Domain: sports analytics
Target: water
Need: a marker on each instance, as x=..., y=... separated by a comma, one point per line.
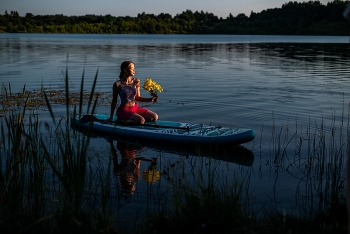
x=271, y=84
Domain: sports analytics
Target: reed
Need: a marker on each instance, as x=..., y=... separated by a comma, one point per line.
x=200, y=204
x=43, y=172
x=316, y=152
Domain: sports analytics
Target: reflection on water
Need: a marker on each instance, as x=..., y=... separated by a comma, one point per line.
x=127, y=167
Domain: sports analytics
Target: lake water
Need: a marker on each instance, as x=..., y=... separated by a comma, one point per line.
x=283, y=87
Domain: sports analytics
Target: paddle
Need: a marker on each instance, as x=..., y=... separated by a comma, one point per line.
x=92, y=118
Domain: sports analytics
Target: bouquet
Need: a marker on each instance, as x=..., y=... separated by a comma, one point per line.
x=151, y=175
x=152, y=87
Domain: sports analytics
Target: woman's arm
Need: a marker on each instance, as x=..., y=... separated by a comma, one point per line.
x=114, y=99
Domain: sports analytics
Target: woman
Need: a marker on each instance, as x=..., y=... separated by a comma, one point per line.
x=128, y=89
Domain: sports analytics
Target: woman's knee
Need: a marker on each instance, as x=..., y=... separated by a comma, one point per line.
x=137, y=119
x=155, y=117
x=151, y=116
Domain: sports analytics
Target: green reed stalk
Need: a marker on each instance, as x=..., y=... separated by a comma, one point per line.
x=22, y=169
x=201, y=203
x=318, y=155
x=43, y=176
x=73, y=152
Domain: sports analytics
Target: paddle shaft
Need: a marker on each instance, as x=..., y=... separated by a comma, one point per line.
x=91, y=118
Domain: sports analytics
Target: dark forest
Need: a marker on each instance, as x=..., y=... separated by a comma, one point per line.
x=292, y=18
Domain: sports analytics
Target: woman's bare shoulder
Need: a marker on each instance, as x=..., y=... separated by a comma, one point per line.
x=117, y=83
x=136, y=80
x=116, y=86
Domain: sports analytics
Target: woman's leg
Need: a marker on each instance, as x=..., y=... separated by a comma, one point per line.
x=143, y=115
x=137, y=118
x=150, y=116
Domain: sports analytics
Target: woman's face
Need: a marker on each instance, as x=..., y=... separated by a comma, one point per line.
x=130, y=70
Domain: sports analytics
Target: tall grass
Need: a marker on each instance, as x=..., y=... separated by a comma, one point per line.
x=313, y=155
x=44, y=173
x=205, y=203
x=316, y=155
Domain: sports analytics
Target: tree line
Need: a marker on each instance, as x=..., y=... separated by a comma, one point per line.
x=293, y=18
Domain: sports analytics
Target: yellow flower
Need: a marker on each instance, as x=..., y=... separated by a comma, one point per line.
x=151, y=176
x=159, y=88
x=152, y=87
x=147, y=84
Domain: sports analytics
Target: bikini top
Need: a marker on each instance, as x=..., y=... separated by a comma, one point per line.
x=127, y=92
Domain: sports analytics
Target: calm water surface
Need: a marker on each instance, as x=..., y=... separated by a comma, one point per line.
x=273, y=84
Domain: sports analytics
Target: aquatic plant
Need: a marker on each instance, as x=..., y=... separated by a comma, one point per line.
x=315, y=152
x=43, y=172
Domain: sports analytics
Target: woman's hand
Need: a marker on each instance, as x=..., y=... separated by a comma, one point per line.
x=154, y=99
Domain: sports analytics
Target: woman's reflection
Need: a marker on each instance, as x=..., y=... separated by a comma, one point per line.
x=128, y=170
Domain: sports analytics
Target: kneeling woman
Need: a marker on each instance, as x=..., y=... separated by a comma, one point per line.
x=128, y=89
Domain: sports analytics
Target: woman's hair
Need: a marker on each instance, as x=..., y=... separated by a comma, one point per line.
x=124, y=65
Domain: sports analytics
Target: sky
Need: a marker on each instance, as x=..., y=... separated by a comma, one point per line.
x=220, y=8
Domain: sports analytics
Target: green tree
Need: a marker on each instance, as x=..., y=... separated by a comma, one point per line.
x=29, y=15
x=21, y=28
x=9, y=27
x=29, y=27
x=45, y=28
x=301, y=18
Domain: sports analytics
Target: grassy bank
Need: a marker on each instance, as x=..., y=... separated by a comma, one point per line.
x=48, y=184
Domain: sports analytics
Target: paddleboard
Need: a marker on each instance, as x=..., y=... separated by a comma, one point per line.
x=165, y=131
